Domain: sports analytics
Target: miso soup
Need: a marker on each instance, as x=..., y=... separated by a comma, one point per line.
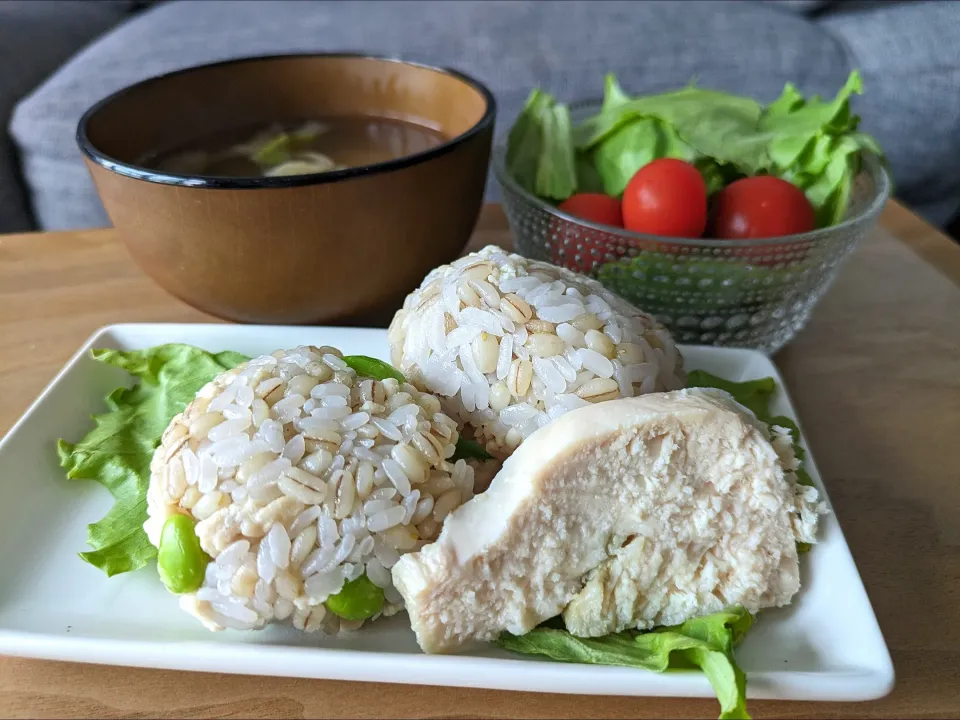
x=298, y=149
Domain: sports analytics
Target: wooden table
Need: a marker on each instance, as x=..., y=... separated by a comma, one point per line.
x=875, y=376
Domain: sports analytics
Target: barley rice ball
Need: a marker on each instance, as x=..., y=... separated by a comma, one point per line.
x=303, y=477
x=510, y=344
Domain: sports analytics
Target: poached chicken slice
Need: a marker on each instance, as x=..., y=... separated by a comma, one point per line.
x=630, y=513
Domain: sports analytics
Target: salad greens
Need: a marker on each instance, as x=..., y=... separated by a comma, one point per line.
x=629, y=147
x=705, y=642
x=117, y=452
x=812, y=143
x=816, y=146
x=540, y=148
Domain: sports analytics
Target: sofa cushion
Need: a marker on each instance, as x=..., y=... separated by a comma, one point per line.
x=743, y=47
x=36, y=37
x=803, y=6
x=909, y=56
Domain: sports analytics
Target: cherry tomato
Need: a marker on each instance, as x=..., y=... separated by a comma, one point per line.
x=578, y=248
x=666, y=197
x=594, y=207
x=760, y=207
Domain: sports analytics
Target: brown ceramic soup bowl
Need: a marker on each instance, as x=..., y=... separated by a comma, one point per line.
x=339, y=246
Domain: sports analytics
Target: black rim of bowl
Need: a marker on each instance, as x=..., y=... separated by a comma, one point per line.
x=233, y=183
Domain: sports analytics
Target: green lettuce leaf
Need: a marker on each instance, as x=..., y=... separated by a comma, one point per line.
x=791, y=116
x=718, y=125
x=588, y=179
x=706, y=643
x=117, y=452
x=754, y=395
x=829, y=191
x=629, y=133
x=816, y=146
x=790, y=99
x=715, y=174
x=613, y=95
x=540, y=154
x=634, y=145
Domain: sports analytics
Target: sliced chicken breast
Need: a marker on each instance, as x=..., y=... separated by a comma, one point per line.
x=627, y=514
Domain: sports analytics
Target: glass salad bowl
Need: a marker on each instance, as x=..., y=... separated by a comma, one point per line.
x=734, y=293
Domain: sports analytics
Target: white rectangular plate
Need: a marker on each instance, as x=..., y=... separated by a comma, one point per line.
x=825, y=646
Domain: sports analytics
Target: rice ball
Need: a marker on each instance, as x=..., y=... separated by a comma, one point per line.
x=510, y=344
x=302, y=477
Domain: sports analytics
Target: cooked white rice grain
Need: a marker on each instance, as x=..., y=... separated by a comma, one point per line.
x=510, y=344
x=302, y=476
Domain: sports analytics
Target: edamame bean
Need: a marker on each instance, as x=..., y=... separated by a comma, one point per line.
x=180, y=560
x=367, y=366
x=470, y=450
x=357, y=600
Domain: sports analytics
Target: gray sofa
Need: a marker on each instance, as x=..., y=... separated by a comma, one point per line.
x=908, y=54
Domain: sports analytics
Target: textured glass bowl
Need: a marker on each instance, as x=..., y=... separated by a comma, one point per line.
x=752, y=294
